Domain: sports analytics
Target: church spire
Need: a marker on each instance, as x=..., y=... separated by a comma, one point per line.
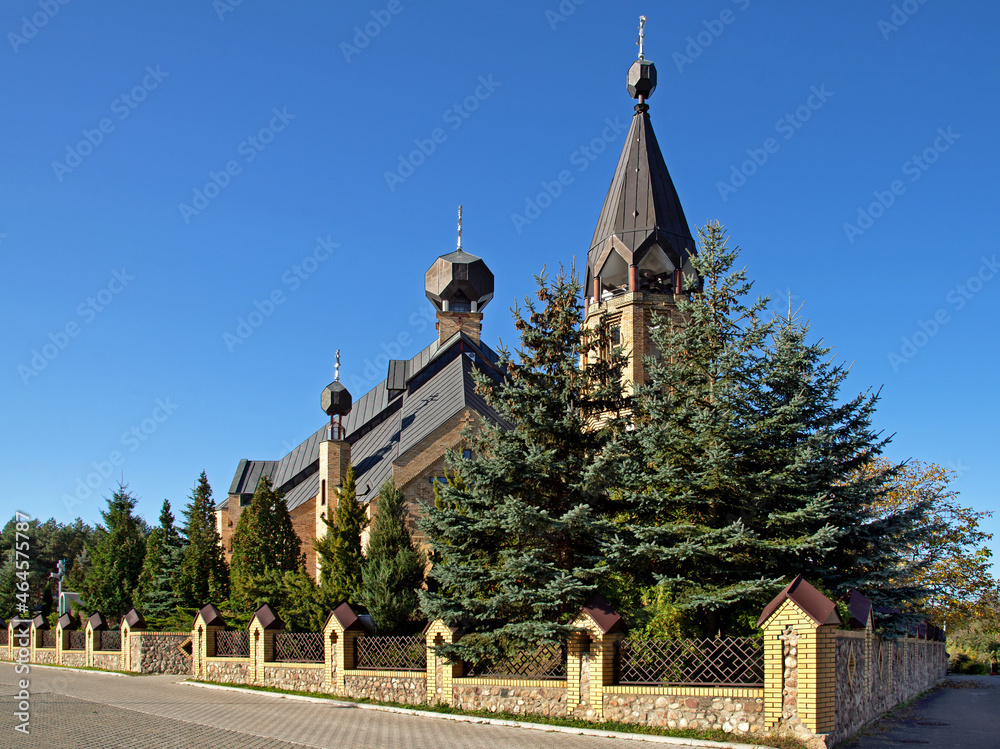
x=642, y=241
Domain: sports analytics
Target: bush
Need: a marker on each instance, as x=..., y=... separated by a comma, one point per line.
x=965, y=664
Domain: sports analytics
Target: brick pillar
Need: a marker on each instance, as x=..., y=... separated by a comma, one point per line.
x=334, y=459
x=599, y=629
x=264, y=624
x=206, y=624
x=441, y=672
x=342, y=628
x=800, y=659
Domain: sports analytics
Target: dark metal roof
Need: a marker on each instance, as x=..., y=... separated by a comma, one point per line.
x=860, y=607
x=383, y=426
x=603, y=615
x=68, y=622
x=641, y=208
x=39, y=622
x=268, y=617
x=135, y=620
x=97, y=622
x=211, y=616
x=346, y=617
x=816, y=606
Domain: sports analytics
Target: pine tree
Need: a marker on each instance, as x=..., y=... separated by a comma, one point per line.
x=155, y=592
x=685, y=524
x=116, y=559
x=203, y=575
x=264, y=540
x=339, y=550
x=393, y=567
x=518, y=543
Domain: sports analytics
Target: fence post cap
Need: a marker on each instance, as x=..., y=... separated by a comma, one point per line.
x=602, y=615
x=97, y=622
x=134, y=620
x=807, y=599
x=209, y=616
x=39, y=622
x=267, y=618
x=67, y=622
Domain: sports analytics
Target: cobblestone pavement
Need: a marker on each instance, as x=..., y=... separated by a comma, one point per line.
x=91, y=710
x=963, y=713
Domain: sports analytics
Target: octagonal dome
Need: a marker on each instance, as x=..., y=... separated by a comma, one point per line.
x=335, y=399
x=459, y=282
x=641, y=79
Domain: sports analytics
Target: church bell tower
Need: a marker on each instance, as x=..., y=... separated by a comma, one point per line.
x=639, y=258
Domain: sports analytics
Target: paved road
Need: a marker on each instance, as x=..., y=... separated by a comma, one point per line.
x=93, y=711
x=964, y=713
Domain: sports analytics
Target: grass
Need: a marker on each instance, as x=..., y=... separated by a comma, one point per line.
x=84, y=668
x=779, y=742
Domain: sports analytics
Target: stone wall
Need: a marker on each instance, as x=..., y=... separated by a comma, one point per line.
x=158, y=652
x=387, y=686
x=232, y=670
x=875, y=675
x=742, y=714
x=508, y=695
x=110, y=660
x=300, y=678
x=74, y=658
x=45, y=656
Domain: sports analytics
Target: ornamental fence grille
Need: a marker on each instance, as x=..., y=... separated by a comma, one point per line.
x=111, y=639
x=232, y=644
x=729, y=661
x=3, y=637
x=547, y=661
x=77, y=641
x=396, y=653
x=48, y=638
x=299, y=647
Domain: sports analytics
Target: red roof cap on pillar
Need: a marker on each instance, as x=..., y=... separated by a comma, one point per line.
x=813, y=604
x=211, y=616
x=97, y=622
x=346, y=617
x=605, y=617
x=268, y=617
x=134, y=620
x=860, y=607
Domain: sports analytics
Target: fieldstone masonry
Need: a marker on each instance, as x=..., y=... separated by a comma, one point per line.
x=823, y=681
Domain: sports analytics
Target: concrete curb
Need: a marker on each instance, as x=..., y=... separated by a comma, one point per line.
x=77, y=670
x=676, y=741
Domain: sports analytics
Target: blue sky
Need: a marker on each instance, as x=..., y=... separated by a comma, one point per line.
x=202, y=201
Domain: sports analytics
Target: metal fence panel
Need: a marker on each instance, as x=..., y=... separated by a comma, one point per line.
x=77, y=641
x=111, y=639
x=395, y=653
x=299, y=647
x=547, y=661
x=232, y=644
x=730, y=661
x=48, y=638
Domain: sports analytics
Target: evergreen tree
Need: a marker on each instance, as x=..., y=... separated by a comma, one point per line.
x=393, y=567
x=339, y=550
x=264, y=540
x=162, y=564
x=116, y=559
x=518, y=542
x=203, y=575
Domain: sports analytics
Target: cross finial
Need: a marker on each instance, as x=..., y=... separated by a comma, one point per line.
x=460, y=227
x=336, y=368
x=642, y=35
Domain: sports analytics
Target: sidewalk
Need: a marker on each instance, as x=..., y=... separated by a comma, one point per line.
x=90, y=709
x=964, y=713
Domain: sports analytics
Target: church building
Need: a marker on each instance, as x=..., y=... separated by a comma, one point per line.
x=638, y=262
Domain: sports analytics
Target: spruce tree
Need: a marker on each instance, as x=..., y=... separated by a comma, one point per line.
x=339, y=550
x=264, y=540
x=203, y=575
x=116, y=559
x=164, y=550
x=686, y=497
x=517, y=541
x=393, y=567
